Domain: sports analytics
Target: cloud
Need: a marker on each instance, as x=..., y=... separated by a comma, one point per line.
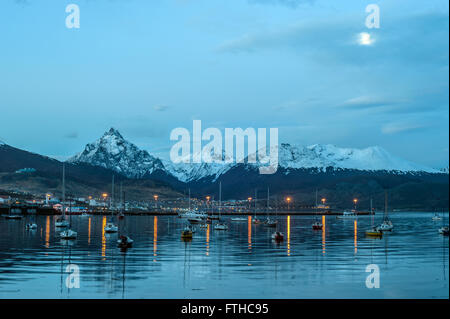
x=410, y=40
x=287, y=3
x=71, y=135
x=394, y=128
x=160, y=108
x=367, y=102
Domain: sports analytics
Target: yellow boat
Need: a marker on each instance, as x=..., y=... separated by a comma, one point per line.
x=186, y=234
x=374, y=233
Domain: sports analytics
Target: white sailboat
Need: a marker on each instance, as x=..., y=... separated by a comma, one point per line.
x=220, y=225
x=61, y=221
x=255, y=219
x=67, y=234
x=277, y=236
x=386, y=225
x=111, y=227
x=269, y=222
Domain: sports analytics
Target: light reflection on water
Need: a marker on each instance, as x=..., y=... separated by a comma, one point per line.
x=239, y=263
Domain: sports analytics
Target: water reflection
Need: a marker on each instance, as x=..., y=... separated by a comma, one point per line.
x=103, y=238
x=219, y=265
x=288, y=232
x=323, y=234
x=155, y=237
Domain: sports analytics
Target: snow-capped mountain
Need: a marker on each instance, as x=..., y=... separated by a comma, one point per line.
x=304, y=157
x=188, y=172
x=320, y=156
x=445, y=170
x=112, y=151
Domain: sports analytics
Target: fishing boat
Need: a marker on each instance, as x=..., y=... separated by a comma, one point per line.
x=347, y=215
x=124, y=242
x=30, y=226
x=374, y=232
x=436, y=217
x=277, y=236
x=111, y=228
x=220, y=225
x=186, y=233
x=443, y=230
x=386, y=225
x=195, y=220
x=68, y=234
x=317, y=225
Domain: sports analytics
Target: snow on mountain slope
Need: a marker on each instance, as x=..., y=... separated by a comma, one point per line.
x=188, y=172
x=2, y=143
x=112, y=151
x=322, y=156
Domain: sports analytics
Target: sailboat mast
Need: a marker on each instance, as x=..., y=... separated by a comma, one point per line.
x=63, y=189
x=256, y=198
x=267, y=201
x=189, y=199
x=316, y=197
x=220, y=197
x=112, y=195
x=385, y=204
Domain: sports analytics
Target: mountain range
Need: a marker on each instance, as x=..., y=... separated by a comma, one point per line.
x=339, y=173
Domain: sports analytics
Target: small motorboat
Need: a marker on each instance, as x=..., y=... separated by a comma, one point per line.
x=13, y=217
x=205, y=225
x=195, y=220
x=30, y=226
x=385, y=226
x=124, y=242
x=212, y=217
x=220, y=226
x=443, y=230
x=277, y=236
x=436, y=217
x=238, y=219
x=84, y=214
x=61, y=222
x=186, y=233
x=347, y=215
x=270, y=223
x=374, y=232
x=317, y=226
x=256, y=221
x=111, y=228
x=68, y=234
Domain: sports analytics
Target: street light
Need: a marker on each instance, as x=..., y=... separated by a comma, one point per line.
x=355, y=201
x=323, y=201
x=105, y=196
x=288, y=199
x=156, y=200
x=249, y=202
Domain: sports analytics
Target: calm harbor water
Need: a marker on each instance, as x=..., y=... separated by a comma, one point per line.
x=239, y=263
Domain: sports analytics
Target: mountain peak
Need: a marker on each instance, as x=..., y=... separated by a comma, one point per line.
x=113, y=132
x=112, y=151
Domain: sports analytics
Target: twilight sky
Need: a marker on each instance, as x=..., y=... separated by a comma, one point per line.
x=146, y=67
